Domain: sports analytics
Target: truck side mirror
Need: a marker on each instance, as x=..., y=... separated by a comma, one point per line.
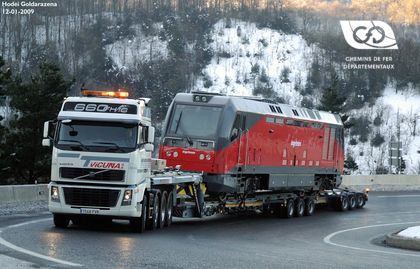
x=46, y=129
x=46, y=141
x=151, y=134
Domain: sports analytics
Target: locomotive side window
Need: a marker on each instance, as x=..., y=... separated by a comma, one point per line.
x=235, y=129
x=238, y=126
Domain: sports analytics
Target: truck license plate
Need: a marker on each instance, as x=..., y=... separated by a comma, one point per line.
x=90, y=211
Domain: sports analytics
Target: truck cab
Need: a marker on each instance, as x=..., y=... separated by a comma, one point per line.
x=101, y=156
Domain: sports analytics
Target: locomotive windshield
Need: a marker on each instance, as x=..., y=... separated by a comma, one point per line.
x=195, y=121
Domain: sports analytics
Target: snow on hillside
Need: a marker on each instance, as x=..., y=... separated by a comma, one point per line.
x=403, y=105
x=126, y=53
x=241, y=46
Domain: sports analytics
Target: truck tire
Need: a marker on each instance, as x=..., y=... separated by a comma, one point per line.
x=169, y=208
x=154, y=207
x=309, y=207
x=139, y=224
x=61, y=221
x=162, y=209
x=352, y=202
x=343, y=203
x=360, y=201
x=299, y=207
x=290, y=208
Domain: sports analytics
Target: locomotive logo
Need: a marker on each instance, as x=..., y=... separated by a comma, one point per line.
x=296, y=143
x=369, y=35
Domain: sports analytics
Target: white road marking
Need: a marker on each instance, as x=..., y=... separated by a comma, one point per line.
x=28, y=252
x=398, y=196
x=327, y=239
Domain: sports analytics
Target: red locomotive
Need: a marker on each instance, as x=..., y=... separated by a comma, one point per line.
x=244, y=145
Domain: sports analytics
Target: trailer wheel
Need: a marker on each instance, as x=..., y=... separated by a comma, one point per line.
x=61, y=221
x=154, y=206
x=309, y=207
x=169, y=207
x=343, y=203
x=290, y=208
x=299, y=207
x=163, y=210
x=139, y=224
x=360, y=201
x=352, y=202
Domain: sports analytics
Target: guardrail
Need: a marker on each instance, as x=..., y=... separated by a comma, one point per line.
x=39, y=192
x=383, y=182
x=23, y=193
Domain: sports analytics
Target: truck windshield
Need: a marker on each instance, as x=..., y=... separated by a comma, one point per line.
x=97, y=136
x=194, y=121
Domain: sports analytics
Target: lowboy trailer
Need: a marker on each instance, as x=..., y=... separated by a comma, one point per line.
x=102, y=165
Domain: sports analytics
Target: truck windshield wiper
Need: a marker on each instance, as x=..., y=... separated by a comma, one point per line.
x=75, y=141
x=112, y=144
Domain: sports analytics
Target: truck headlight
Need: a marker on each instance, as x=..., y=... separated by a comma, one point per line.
x=128, y=194
x=55, y=194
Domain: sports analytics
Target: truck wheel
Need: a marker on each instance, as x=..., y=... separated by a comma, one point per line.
x=309, y=207
x=61, y=221
x=139, y=224
x=162, y=210
x=360, y=201
x=154, y=206
x=169, y=207
x=290, y=208
x=343, y=203
x=299, y=207
x=352, y=202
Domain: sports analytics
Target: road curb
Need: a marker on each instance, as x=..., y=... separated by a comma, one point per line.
x=395, y=240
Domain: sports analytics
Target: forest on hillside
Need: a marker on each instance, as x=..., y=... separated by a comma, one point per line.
x=157, y=48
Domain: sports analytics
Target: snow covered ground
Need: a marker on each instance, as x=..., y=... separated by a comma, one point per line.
x=411, y=232
x=392, y=106
x=126, y=53
x=241, y=46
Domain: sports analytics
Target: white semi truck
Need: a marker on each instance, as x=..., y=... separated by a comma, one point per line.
x=102, y=163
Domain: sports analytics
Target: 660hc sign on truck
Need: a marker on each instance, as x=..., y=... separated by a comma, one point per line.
x=102, y=165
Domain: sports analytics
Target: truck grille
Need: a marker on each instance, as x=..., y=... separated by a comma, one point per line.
x=91, y=197
x=89, y=174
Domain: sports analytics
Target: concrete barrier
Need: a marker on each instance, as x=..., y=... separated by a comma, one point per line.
x=382, y=182
x=23, y=193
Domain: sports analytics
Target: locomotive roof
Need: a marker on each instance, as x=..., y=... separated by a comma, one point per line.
x=265, y=107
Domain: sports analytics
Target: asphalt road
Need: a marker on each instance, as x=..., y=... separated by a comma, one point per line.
x=328, y=239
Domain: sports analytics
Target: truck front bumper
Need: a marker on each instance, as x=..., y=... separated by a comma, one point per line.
x=77, y=207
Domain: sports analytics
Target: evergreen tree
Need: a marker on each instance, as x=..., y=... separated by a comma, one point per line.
x=331, y=99
x=33, y=103
x=350, y=164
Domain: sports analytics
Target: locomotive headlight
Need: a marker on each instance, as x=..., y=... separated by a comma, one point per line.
x=208, y=157
x=197, y=98
x=55, y=194
x=201, y=157
x=175, y=154
x=128, y=194
x=168, y=154
x=204, y=99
